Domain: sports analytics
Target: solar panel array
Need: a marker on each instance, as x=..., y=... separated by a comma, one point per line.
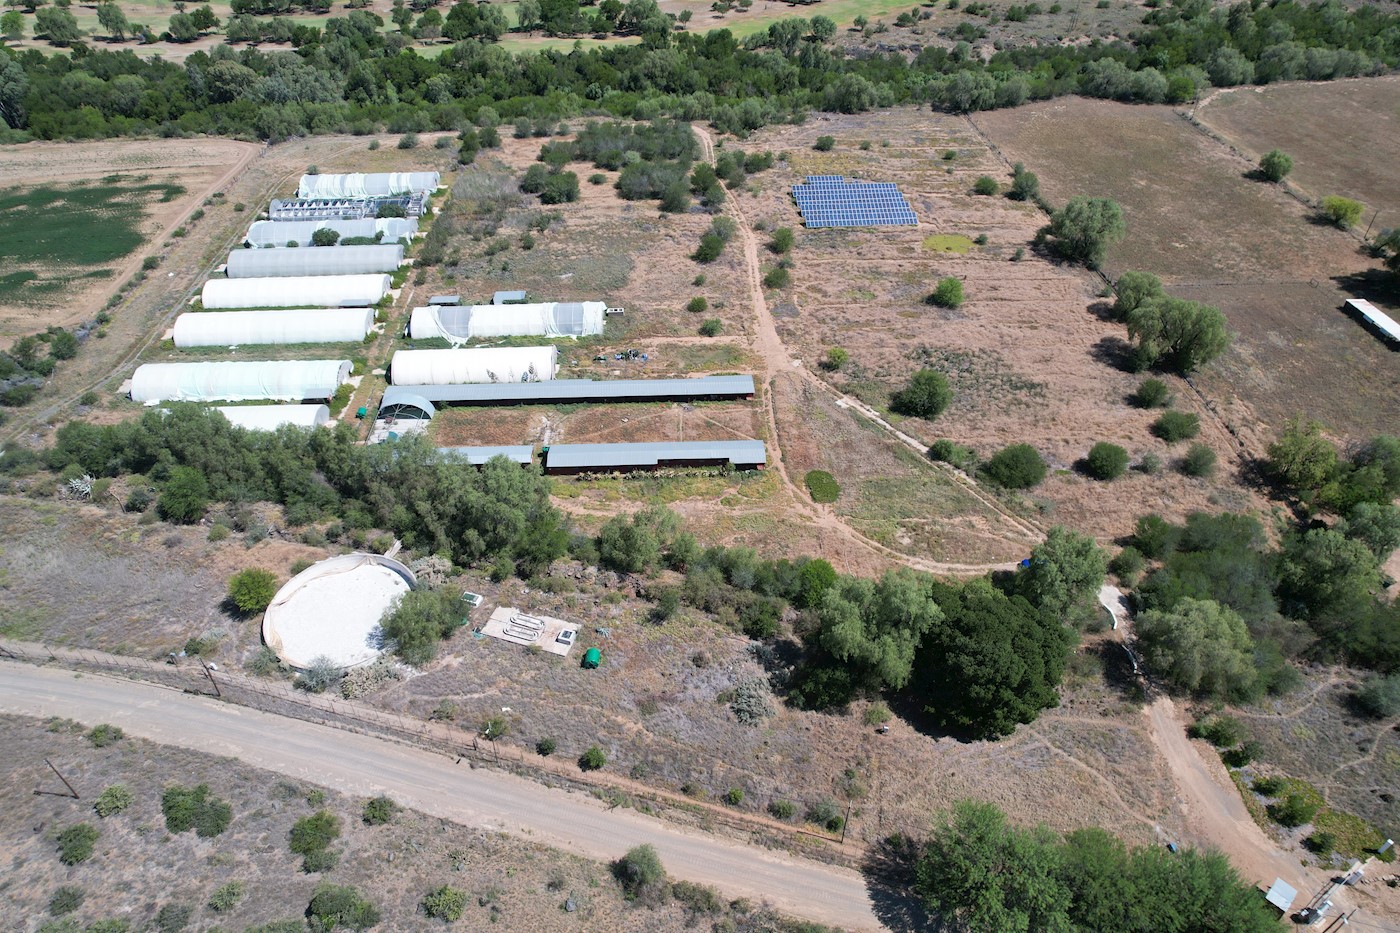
x=832, y=201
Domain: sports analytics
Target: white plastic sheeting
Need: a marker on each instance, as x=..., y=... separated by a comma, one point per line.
x=324, y=260
x=313, y=291
x=377, y=184
x=279, y=233
x=552, y=319
x=332, y=609
x=494, y=364
x=283, y=380
x=272, y=417
x=246, y=328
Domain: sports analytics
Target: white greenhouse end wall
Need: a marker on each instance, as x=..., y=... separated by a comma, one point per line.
x=494, y=364
x=250, y=328
x=317, y=291
x=551, y=319
x=272, y=417
x=282, y=380
x=377, y=184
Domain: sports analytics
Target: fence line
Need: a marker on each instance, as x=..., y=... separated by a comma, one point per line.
x=282, y=699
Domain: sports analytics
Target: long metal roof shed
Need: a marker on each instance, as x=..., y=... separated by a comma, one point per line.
x=1376, y=318
x=523, y=454
x=583, y=458
x=570, y=391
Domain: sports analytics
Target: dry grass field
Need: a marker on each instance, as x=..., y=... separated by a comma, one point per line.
x=1213, y=234
x=138, y=867
x=1336, y=131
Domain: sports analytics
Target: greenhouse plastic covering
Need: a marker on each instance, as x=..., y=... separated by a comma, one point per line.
x=494, y=364
x=313, y=291
x=367, y=186
x=323, y=260
x=459, y=324
x=222, y=381
x=272, y=417
x=265, y=233
x=243, y=328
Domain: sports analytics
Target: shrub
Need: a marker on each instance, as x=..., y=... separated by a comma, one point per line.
x=1018, y=466
x=1275, y=165
x=1173, y=426
x=322, y=860
x=1241, y=756
x=322, y=675
x=226, y=897
x=827, y=814
x=173, y=918
x=341, y=905
x=639, y=871
x=149, y=263
x=593, y=759
x=113, y=800
x=835, y=358
x=876, y=714
x=750, y=704
x=711, y=245
x=697, y=305
x=378, y=811
x=104, y=734
x=252, y=590
x=1268, y=786
x=1380, y=696
x=75, y=844
x=1293, y=810
x=782, y=241
x=315, y=832
x=184, y=497
x=1127, y=564
x=948, y=294
x=445, y=903
x=1321, y=842
x=777, y=277
x=825, y=143
x=1199, y=461
x=711, y=327
x=782, y=809
x=408, y=141
x=926, y=396
x=986, y=185
x=734, y=796
x=193, y=808
x=945, y=451
x=1342, y=212
x=822, y=486
x=697, y=898
x=1220, y=731
x=545, y=747
x=66, y=900
x=1106, y=461
x=1153, y=393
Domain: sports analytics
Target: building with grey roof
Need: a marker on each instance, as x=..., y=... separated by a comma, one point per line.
x=607, y=458
x=422, y=401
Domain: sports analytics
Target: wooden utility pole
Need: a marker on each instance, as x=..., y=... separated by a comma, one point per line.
x=210, y=674
x=71, y=792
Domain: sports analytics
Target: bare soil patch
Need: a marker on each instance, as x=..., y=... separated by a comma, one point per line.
x=1215, y=235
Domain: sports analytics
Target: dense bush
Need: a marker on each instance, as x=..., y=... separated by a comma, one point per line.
x=105, y=734
x=639, y=872
x=113, y=800
x=1379, y=697
x=1275, y=165
x=445, y=903
x=194, y=808
x=378, y=811
x=226, y=897
x=986, y=185
x=1084, y=229
x=420, y=619
x=1292, y=810
x=335, y=906
x=948, y=293
x=252, y=590
x=65, y=900
x=1106, y=461
x=314, y=833
x=822, y=486
x=926, y=396
x=75, y=844
x=593, y=759
x=1018, y=466
x=825, y=143
x=1342, y=212
x=1173, y=426
x=1199, y=461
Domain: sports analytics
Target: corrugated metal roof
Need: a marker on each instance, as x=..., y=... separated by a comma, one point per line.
x=578, y=390
x=501, y=298
x=1281, y=894
x=585, y=456
x=1376, y=317
x=523, y=454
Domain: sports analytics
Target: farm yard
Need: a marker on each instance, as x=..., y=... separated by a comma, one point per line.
x=1213, y=234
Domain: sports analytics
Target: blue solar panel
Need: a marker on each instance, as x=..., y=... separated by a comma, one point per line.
x=832, y=201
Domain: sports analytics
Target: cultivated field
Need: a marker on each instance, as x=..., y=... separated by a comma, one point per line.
x=1213, y=234
x=138, y=868
x=1334, y=130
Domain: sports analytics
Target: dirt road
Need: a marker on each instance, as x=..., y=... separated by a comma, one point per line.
x=1215, y=815
x=366, y=766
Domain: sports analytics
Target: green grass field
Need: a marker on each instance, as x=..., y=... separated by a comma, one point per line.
x=51, y=236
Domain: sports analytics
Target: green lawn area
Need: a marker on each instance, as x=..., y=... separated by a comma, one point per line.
x=948, y=243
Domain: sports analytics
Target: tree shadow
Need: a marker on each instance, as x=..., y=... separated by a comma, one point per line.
x=1115, y=352
x=889, y=880
x=1118, y=671
x=917, y=716
x=1380, y=285
x=1103, y=310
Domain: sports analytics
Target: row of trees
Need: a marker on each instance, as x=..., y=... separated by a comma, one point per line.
x=774, y=75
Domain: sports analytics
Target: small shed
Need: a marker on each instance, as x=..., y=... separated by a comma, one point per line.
x=508, y=298
x=591, y=659
x=444, y=301
x=1281, y=894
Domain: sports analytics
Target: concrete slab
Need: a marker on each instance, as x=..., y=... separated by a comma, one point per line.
x=520, y=628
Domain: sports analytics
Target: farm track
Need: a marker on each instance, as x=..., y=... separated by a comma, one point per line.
x=778, y=363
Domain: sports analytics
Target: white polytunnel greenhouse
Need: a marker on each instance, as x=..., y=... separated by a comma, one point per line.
x=493, y=364
x=272, y=417
x=247, y=328
x=312, y=291
x=459, y=324
x=222, y=381
x=324, y=260
x=265, y=233
x=378, y=184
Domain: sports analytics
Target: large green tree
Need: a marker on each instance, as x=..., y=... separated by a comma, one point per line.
x=926, y=396
x=1178, y=334
x=1201, y=647
x=1302, y=459
x=419, y=619
x=1321, y=569
x=1084, y=229
x=873, y=628
x=56, y=25
x=993, y=663
x=1065, y=573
